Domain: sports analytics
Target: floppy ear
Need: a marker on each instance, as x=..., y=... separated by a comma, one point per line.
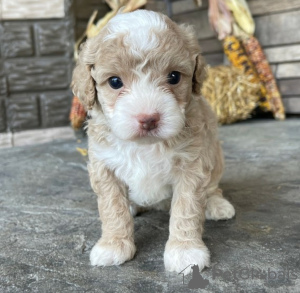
x=191, y=42
x=199, y=74
x=83, y=85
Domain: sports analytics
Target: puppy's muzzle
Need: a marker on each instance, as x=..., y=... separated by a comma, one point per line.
x=148, y=122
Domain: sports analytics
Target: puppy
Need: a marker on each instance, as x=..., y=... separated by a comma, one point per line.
x=152, y=137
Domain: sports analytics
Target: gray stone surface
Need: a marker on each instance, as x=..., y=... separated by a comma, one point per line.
x=3, y=86
x=49, y=221
x=31, y=9
x=55, y=108
x=214, y=59
x=292, y=104
x=278, y=28
x=2, y=115
x=199, y=19
x=85, y=8
x=289, y=86
x=55, y=38
x=38, y=74
x=211, y=46
x=22, y=112
x=17, y=40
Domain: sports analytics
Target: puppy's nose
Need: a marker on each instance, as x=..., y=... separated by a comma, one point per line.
x=148, y=122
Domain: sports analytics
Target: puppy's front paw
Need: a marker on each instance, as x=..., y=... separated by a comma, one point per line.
x=178, y=256
x=219, y=208
x=112, y=253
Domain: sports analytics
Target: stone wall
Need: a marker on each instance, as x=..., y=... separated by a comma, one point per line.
x=36, y=60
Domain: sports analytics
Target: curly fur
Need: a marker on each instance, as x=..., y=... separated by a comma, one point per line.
x=180, y=160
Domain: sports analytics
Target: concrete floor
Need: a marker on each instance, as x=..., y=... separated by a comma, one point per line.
x=49, y=221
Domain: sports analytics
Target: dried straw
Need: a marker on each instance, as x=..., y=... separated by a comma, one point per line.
x=230, y=93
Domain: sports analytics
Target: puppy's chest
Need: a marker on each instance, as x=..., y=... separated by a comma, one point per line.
x=147, y=170
x=134, y=165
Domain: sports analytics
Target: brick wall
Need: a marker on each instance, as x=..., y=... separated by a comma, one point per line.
x=36, y=60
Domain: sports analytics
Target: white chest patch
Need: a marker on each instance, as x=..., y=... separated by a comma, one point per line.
x=146, y=169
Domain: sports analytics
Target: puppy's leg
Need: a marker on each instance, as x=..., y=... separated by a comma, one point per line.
x=217, y=207
x=185, y=245
x=116, y=244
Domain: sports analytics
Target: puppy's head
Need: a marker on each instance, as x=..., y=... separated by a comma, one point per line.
x=141, y=72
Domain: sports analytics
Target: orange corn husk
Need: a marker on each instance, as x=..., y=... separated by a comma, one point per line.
x=77, y=114
x=236, y=54
x=258, y=58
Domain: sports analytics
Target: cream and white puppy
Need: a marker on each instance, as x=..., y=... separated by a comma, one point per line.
x=152, y=137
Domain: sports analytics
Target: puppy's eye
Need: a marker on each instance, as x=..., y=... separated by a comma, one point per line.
x=115, y=82
x=174, y=77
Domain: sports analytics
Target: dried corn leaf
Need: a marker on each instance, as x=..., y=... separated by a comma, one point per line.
x=220, y=18
x=242, y=15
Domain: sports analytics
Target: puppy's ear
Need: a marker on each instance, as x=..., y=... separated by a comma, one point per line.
x=83, y=85
x=199, y=74
x=191, y=42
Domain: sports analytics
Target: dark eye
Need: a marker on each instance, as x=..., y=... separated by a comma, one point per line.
x=115, y=82
x=174, y=77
